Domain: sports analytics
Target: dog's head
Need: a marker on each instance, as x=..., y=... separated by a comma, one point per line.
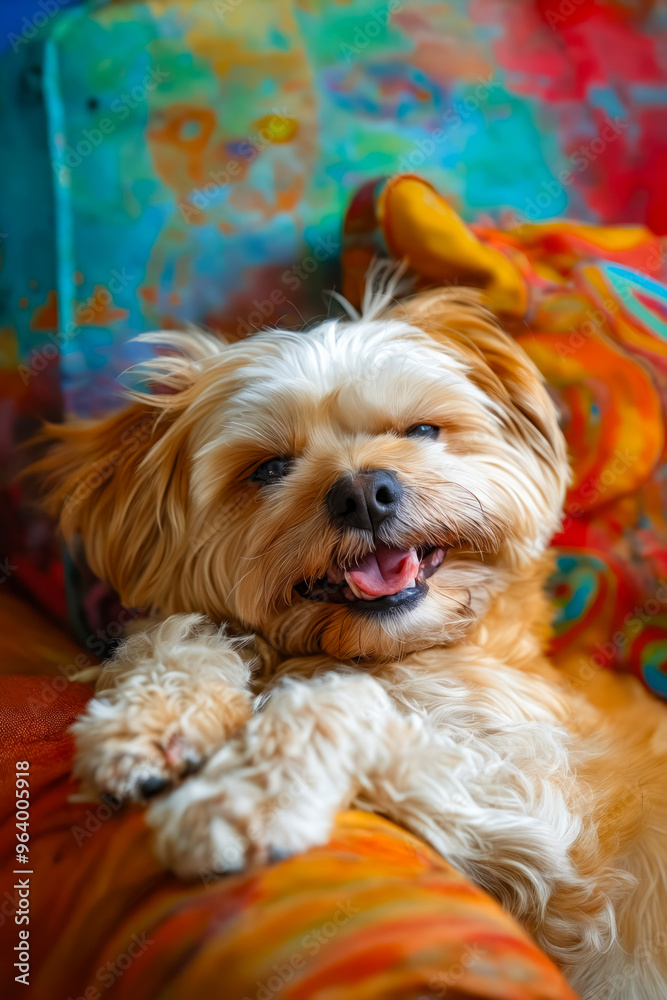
x=361, y=489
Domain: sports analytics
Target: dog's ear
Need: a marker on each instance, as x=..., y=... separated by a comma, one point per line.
x=456, y=318
x=120, y=486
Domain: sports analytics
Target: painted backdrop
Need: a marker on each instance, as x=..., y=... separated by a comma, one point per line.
x=172, y=162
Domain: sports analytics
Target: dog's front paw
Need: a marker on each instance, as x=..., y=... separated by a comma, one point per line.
x=260, y=797
x=214, y=826
x=276, y=787
x=136, y=744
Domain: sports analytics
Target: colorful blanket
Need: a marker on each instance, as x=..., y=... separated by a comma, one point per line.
x=374, y=915
x=185, y=161
x=589, y=305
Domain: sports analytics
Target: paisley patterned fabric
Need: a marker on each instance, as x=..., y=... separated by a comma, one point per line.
x=374, y=915
x=589, y=305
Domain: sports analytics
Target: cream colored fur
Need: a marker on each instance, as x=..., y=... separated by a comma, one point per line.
x=448, y=717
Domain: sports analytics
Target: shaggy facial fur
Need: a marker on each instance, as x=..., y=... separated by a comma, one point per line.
x=171, y=504
x=373, y=501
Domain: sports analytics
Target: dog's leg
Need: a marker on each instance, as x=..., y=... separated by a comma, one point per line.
x=168, y=698
x=317, y=746
x=275, y=788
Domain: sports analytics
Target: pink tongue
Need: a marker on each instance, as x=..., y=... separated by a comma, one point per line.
x=385, y=571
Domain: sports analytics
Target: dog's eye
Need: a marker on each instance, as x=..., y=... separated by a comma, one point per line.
x=423, y=431
x=271, y=471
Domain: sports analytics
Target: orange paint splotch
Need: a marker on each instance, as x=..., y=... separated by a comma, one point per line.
x=178, y=140
x=289, y=198
x=23, y=302
x=99, y=309
x=148, y=293
x=78, y=278
x=225, y=54
x=185, y=126
x=45, y=317
x=190, y=214
x=293, y=86
x=250, y=200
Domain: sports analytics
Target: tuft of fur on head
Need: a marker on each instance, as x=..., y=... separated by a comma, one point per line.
x=163, y=499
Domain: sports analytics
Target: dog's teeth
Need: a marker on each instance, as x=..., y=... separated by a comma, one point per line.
x=358, y=593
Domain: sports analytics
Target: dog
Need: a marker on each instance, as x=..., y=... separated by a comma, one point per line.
x=343, y=534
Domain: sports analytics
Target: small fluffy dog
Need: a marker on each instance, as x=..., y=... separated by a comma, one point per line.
x=373, y=501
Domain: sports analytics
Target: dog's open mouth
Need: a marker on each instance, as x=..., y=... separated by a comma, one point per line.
x=384, y=579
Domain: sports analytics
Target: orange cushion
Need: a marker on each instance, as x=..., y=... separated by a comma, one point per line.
x=374, y=915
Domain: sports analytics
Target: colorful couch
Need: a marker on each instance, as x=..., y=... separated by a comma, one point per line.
x=374, y=915
x=219, y=197
x=192, y=160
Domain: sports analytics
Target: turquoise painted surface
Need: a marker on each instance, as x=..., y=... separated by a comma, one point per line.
x=180, y=162
x=202, y=154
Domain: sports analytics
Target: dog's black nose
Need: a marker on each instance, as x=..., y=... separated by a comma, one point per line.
x=365, y=500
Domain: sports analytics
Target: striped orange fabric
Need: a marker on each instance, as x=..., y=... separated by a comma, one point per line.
x=374, y=915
